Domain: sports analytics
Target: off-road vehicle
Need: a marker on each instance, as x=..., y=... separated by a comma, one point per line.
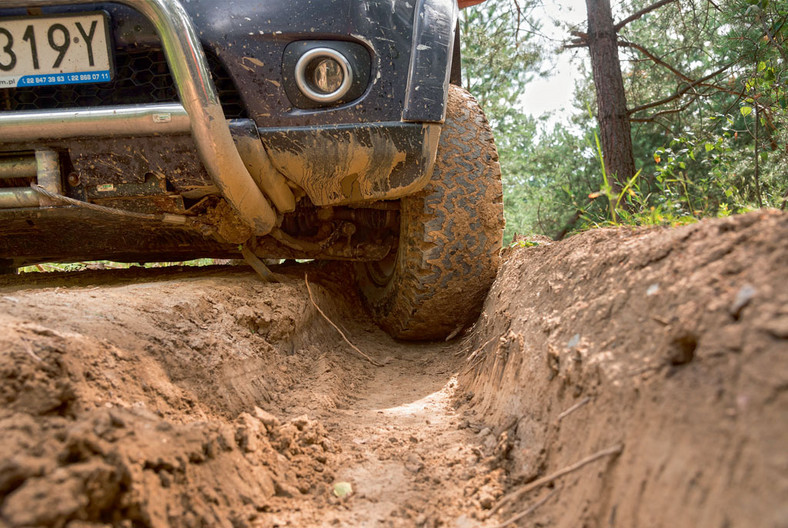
x=159, y=130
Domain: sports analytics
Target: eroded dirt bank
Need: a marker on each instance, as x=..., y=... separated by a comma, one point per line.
x=670, y=345
x=206, y=398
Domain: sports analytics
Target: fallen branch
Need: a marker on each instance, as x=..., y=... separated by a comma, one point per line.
x=517, y=494
x=569, y=225
x=454, y=333
x=527, y=512
x=258, y=265
x=573, y=408
x=354, y=347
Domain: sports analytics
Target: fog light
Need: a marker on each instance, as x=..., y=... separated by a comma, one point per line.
x=324, y=75
x=327, y=75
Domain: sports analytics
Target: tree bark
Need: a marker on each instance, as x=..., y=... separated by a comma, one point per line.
x=614, y=127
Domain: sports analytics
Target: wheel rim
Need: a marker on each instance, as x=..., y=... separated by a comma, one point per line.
x=380, y=272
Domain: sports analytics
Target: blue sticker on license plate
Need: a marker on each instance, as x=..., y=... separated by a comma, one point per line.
x=69, y=78
x=52, y=50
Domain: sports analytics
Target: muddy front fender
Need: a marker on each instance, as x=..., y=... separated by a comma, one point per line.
x=381, y=146
x=348, y=164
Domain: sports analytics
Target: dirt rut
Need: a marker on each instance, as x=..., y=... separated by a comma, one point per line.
x=620, y=378
x=205, y=397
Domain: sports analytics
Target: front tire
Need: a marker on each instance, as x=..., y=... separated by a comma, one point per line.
x=450, y=236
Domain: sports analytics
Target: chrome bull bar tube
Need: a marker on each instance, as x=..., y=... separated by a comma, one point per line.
x=208, y=125
x=43, y=165
x=144, y=120
x=19, y=166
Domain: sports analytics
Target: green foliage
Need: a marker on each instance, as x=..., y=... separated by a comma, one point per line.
x=711, y=148
x=499, y=56
x=107, y=264
x=546, y=179
x=524, y=243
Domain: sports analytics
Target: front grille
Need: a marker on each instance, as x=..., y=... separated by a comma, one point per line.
x=141, y=77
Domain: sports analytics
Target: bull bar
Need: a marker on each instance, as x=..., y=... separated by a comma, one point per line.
x=200, y=111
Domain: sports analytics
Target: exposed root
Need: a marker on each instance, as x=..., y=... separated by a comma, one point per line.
x=354, y=347
x=517, y=494
x=573, y=408
x=476, y=352
x=527, y=512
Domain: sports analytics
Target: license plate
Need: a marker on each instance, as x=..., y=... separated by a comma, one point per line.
x=63, y=49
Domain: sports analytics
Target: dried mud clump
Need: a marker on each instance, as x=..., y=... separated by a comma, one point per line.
x=130, y=466
x=124, y=421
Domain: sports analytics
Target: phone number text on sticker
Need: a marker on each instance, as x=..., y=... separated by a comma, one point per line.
x=69, y=78
x=43, y=51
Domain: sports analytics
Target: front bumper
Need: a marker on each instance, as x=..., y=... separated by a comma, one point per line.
x=352, y=164
x=197, y=93
x=377, y=158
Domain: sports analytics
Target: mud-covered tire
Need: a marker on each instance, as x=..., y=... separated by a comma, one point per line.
x=450, y=236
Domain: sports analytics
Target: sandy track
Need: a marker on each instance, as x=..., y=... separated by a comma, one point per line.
x=186, y=361
x=206, y=398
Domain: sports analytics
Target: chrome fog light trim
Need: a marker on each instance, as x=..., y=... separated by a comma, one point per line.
x=305, y=68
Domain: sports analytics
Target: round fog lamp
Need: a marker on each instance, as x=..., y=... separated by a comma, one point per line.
x=323, y=75
x=327, y=75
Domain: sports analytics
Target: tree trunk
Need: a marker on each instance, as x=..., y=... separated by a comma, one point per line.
x=615, y=132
